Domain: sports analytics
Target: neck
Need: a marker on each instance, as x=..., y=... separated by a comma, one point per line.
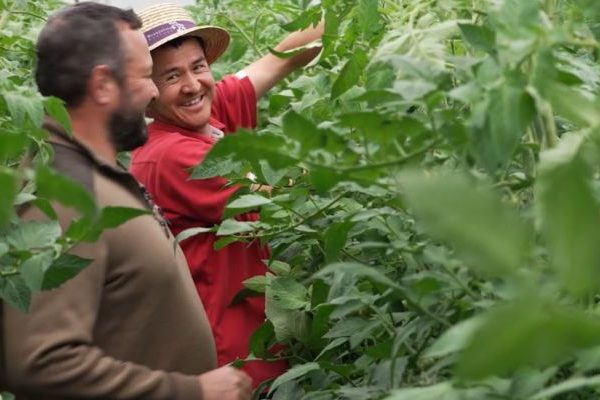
x=91, y=130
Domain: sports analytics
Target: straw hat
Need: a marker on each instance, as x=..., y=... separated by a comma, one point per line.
x=164, y=22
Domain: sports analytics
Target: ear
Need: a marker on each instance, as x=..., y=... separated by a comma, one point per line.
x=102, y=85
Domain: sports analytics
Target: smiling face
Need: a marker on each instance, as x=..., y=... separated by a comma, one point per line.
x=185, y=84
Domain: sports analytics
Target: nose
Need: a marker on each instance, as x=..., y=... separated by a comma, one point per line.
x=153, y=90
x=190, y=84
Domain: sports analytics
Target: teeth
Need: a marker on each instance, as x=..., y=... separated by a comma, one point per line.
x=193, y=102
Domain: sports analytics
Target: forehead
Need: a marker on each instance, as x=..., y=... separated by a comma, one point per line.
x=136, y=48
x=169, y=56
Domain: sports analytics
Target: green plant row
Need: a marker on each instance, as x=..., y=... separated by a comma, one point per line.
x=434, y=204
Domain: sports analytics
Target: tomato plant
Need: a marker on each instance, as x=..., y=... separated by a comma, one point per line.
x=438, y=238
x=434, y=194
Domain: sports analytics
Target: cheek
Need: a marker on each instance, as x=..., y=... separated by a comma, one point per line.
x=166, y=99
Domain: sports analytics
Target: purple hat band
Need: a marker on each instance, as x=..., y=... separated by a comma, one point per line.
x=163, y=31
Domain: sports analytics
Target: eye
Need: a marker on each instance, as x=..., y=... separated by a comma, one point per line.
x=200, y=67
x=171, y=77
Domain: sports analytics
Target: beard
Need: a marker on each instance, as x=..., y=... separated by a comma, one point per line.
x=127, y=128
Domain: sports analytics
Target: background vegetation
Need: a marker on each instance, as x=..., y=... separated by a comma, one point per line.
x=439, y=237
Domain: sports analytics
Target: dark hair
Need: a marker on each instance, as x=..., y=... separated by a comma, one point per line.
x=178, y=41
x=74, y=41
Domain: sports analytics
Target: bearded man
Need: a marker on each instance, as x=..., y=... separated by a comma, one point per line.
x=130, y=326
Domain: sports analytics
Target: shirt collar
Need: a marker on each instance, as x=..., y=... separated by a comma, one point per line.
x=161, y=126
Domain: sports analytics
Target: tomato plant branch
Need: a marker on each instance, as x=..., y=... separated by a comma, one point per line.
x=242, y=32
x=400, y=161
x=307, y=218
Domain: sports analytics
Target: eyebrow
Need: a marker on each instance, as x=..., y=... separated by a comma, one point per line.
x=175, y=69
x=168, y=71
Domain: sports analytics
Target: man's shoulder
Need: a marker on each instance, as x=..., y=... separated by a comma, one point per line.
x=73, y=164
x=237, y=83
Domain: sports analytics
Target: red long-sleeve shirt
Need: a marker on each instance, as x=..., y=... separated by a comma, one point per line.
x=163, y=165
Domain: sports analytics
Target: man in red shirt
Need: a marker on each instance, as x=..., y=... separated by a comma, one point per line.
x=190, y=114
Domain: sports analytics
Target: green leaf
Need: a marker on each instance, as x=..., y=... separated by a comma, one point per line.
x=33, y=235
x=346, y=328
x=8, y=183
x=23, y=107
x=455, y=339
x=485, y=232
x=3, y=249
x=34, y=268
x=188, y=233
x=54, y=186
x=350, y=74
x=55, y=108
x=65, y=267
x=287, y=293
x=6, y=396
x=440, y=391
x=252, y=148
x=287, y=324
x=369, y=19
x=570, y=385
x=271, y=176
x=12, y=145
x=294, y=373
x=225, y=241
x=573, y=104
x=215, y=167
x=569, y=210
x=324, y=179
x=112, y=217
x=506, y=115
x=358, y=270
x=256, y=283
x=260, y=340
x=295, y=51
x=335, y=239
x=480, y=37
x=232, y=227
x=526, y=333
x=309, y=17
x=303, y=131
x=414, y=89
x=15, y=292
x=279, y=267
x=248, y=202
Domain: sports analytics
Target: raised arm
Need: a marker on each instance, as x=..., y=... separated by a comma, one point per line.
x=270, y=69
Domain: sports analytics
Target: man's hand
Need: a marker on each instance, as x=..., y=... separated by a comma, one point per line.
x=226, y=383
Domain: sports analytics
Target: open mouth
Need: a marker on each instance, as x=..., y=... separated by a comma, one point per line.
x=193, y=102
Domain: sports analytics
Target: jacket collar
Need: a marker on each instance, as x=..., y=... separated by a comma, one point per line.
x=59, y=135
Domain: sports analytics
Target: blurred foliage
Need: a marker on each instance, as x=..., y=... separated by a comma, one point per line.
x=438, y=240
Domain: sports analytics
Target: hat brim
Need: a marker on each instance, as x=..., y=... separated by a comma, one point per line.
x=215, y=39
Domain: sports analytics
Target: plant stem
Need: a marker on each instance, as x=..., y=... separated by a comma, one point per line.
x=243, y=33
x=309, y=217
x=399, y=161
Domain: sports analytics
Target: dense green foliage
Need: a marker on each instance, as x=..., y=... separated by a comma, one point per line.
x=438, y=240
x=434, y=204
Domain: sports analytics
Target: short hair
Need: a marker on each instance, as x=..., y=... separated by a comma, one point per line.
x=74, y=41
x=178, y=41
